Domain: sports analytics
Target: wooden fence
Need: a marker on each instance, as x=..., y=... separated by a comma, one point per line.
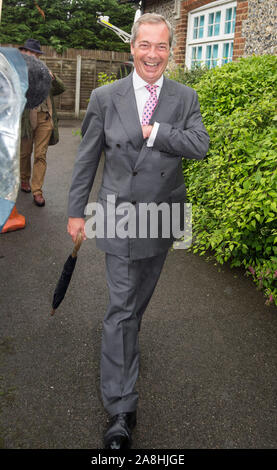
x=79, y=69
x=80, y=77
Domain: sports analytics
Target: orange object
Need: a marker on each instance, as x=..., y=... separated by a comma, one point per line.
x=16, y=221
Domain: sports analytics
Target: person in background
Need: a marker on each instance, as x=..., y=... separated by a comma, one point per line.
x=39, y=128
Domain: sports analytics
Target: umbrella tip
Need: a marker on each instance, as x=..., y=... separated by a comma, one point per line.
x=53, y=311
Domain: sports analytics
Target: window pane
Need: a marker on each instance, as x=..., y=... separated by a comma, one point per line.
x=216, y=29
x=228, y=14
x=230, y=20
x=214, y=24
x=226, y=50
x=208, y=56
x=211, y=24
x=217, y=23
x=225, y=53
x=201, y=27
x=196, y=56
x=215, y=54
x=195, y=28
x=218, y=17
x=199, y=53
x=234, y=20
x=198, y=27
x=212, y=56
x=227, y=27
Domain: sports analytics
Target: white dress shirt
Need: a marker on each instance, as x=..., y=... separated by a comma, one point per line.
x=142, y=95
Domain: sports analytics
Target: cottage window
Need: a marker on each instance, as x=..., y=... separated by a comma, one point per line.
x=196, y=58
x=210, y=36
x=198, y=27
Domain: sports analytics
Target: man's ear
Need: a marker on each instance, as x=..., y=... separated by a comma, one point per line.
x=132, y=48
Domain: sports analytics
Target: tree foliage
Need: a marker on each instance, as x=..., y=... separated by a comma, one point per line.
x=67, y=23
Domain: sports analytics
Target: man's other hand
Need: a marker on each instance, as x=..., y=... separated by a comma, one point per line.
x=74, y=226
x=146, y=131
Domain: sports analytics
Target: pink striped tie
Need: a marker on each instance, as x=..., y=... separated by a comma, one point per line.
x=150, y=104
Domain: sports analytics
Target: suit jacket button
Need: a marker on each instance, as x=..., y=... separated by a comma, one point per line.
x=118, y=145
x=135, y=173
x=162, y=173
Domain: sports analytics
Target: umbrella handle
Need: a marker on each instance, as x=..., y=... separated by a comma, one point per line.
x=77, y=245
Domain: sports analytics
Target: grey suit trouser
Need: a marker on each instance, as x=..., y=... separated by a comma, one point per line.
x=131, y=284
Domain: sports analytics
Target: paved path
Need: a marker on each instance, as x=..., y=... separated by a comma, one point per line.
x=208, y=342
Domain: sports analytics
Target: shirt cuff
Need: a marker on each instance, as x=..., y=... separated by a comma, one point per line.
x=152, y=137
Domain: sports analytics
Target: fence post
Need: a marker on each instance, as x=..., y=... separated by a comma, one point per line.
x=78, y=86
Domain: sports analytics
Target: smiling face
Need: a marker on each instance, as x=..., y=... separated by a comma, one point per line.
x=151, y=51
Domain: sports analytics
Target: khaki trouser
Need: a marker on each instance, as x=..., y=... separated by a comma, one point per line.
x=40, y=140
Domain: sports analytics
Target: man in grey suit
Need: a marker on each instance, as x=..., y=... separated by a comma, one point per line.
x=143, y=164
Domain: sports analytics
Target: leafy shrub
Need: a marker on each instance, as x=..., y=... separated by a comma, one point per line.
x=185, y=76
x=234, y=190
x=105, y=79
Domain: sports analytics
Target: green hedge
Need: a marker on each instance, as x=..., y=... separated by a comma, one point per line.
x=234, y=191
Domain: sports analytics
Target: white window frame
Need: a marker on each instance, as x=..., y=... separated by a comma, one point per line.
x=220, y=39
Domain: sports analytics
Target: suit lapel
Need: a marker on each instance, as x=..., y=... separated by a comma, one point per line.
x=167, y=104
x=125, y=102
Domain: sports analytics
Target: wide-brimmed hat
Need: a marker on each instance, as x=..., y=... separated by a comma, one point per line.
x=32, y=45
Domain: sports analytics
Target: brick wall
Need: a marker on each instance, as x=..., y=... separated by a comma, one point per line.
x=239, y=40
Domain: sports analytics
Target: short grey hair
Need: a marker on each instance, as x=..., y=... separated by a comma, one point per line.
x=153, y=18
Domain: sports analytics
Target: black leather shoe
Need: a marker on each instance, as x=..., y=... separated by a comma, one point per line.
x=25, y=186
x=119, y=433
x=39, y=200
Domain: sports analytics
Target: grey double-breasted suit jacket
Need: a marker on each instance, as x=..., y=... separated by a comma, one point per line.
x=133, y=172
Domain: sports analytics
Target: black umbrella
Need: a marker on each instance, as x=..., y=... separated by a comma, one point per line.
x=67, y=272
x=39, y=80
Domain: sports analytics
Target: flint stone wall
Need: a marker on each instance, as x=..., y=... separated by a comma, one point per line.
x=260, y=28
x=167, y=8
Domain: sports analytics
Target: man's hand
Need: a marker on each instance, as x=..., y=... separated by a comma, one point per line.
x=74, y=226
x=146, y=131
x=51, y=73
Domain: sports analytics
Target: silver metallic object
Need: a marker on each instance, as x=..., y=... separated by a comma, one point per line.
x=24, y=81
x=13, y=86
